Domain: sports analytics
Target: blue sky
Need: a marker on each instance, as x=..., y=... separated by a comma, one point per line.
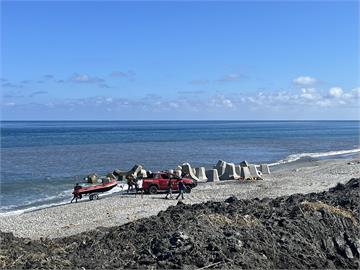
x=173, y=60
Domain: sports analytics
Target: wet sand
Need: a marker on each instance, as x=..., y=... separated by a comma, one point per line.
x=69, y=219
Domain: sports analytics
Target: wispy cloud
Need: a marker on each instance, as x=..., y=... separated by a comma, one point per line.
x=13, y=94
x=305, y=81
x=230, y=77
x=190, y=92
x=11, y=85
x=85, y=78
x=199, y=82
x=37, y=93
x=104, y=85
x=25, y=81
x=49, y=76
x=122, y=74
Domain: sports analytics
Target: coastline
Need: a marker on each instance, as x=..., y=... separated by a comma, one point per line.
x=115, y=210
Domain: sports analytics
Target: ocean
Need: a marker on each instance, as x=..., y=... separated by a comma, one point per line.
x=42, y=160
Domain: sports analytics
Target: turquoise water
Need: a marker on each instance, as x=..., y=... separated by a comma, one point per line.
x=40, y=161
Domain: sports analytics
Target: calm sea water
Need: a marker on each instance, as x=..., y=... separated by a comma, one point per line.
x=40, y=161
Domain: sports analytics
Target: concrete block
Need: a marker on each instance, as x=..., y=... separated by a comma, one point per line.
x=186, y=168
x=200, y=173
x=254, y=171
x=245, y=173
x=264, y=168
x=177, y=172
x=230, y=172
x=212, y=175
x=244, y=163
x=238, y=169
x=220, y=166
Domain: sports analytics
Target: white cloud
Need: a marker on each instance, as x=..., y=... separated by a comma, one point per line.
x=309, y=93
x=336, y=92
x=305, y=81
x=335, y=96
x=85, y=78
x=219, y=101
x=174, y=105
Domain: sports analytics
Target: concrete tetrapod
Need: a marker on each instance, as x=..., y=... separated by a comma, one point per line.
x=245, y=173
x=220, y=166
x=244, y=163
x=178, y=172
x=142, y=173
x=254, y=172
x=186, y=169
x=230, y=172
x=200, y=173
x=212, y=175
x=238, y=169
x=264, y=168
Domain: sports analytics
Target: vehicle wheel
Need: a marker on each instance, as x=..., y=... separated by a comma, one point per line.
x=91, y=197
x=96, y=196
x=153, y=189
x=187, y=189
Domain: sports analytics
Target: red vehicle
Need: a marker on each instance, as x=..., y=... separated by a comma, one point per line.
x=159, y=182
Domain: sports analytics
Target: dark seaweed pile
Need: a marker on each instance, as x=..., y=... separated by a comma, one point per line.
x=317, y=230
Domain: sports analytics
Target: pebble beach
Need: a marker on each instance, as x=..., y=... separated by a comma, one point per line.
x=115, y=210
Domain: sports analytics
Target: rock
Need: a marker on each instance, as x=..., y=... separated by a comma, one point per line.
x=231, y=199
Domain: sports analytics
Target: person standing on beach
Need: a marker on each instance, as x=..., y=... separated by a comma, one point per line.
x=76, y=195
x=181, y=186
x=169, y=190
x=130, y=182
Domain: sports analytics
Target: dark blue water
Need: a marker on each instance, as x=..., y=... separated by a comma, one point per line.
x=40, y=161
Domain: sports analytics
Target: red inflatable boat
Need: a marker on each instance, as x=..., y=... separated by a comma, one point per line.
x=92, y=189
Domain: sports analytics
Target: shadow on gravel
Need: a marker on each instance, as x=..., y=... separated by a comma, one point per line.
x=317, y=230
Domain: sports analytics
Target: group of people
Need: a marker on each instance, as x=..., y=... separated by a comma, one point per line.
x=181, y=187
x=133, y=183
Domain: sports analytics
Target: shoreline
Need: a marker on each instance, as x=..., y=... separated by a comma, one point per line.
x=301, y=160
x=118, y=209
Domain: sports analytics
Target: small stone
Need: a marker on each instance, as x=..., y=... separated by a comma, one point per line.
x=349, y=253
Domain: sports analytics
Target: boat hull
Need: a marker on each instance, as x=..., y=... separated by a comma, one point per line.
x=95, y=188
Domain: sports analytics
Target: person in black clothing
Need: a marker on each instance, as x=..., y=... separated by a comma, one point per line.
x=169, y=190
x=181, y=186
x=76, y=196
x=130, y=181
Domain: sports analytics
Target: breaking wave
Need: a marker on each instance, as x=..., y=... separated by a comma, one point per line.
x=295, y=157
